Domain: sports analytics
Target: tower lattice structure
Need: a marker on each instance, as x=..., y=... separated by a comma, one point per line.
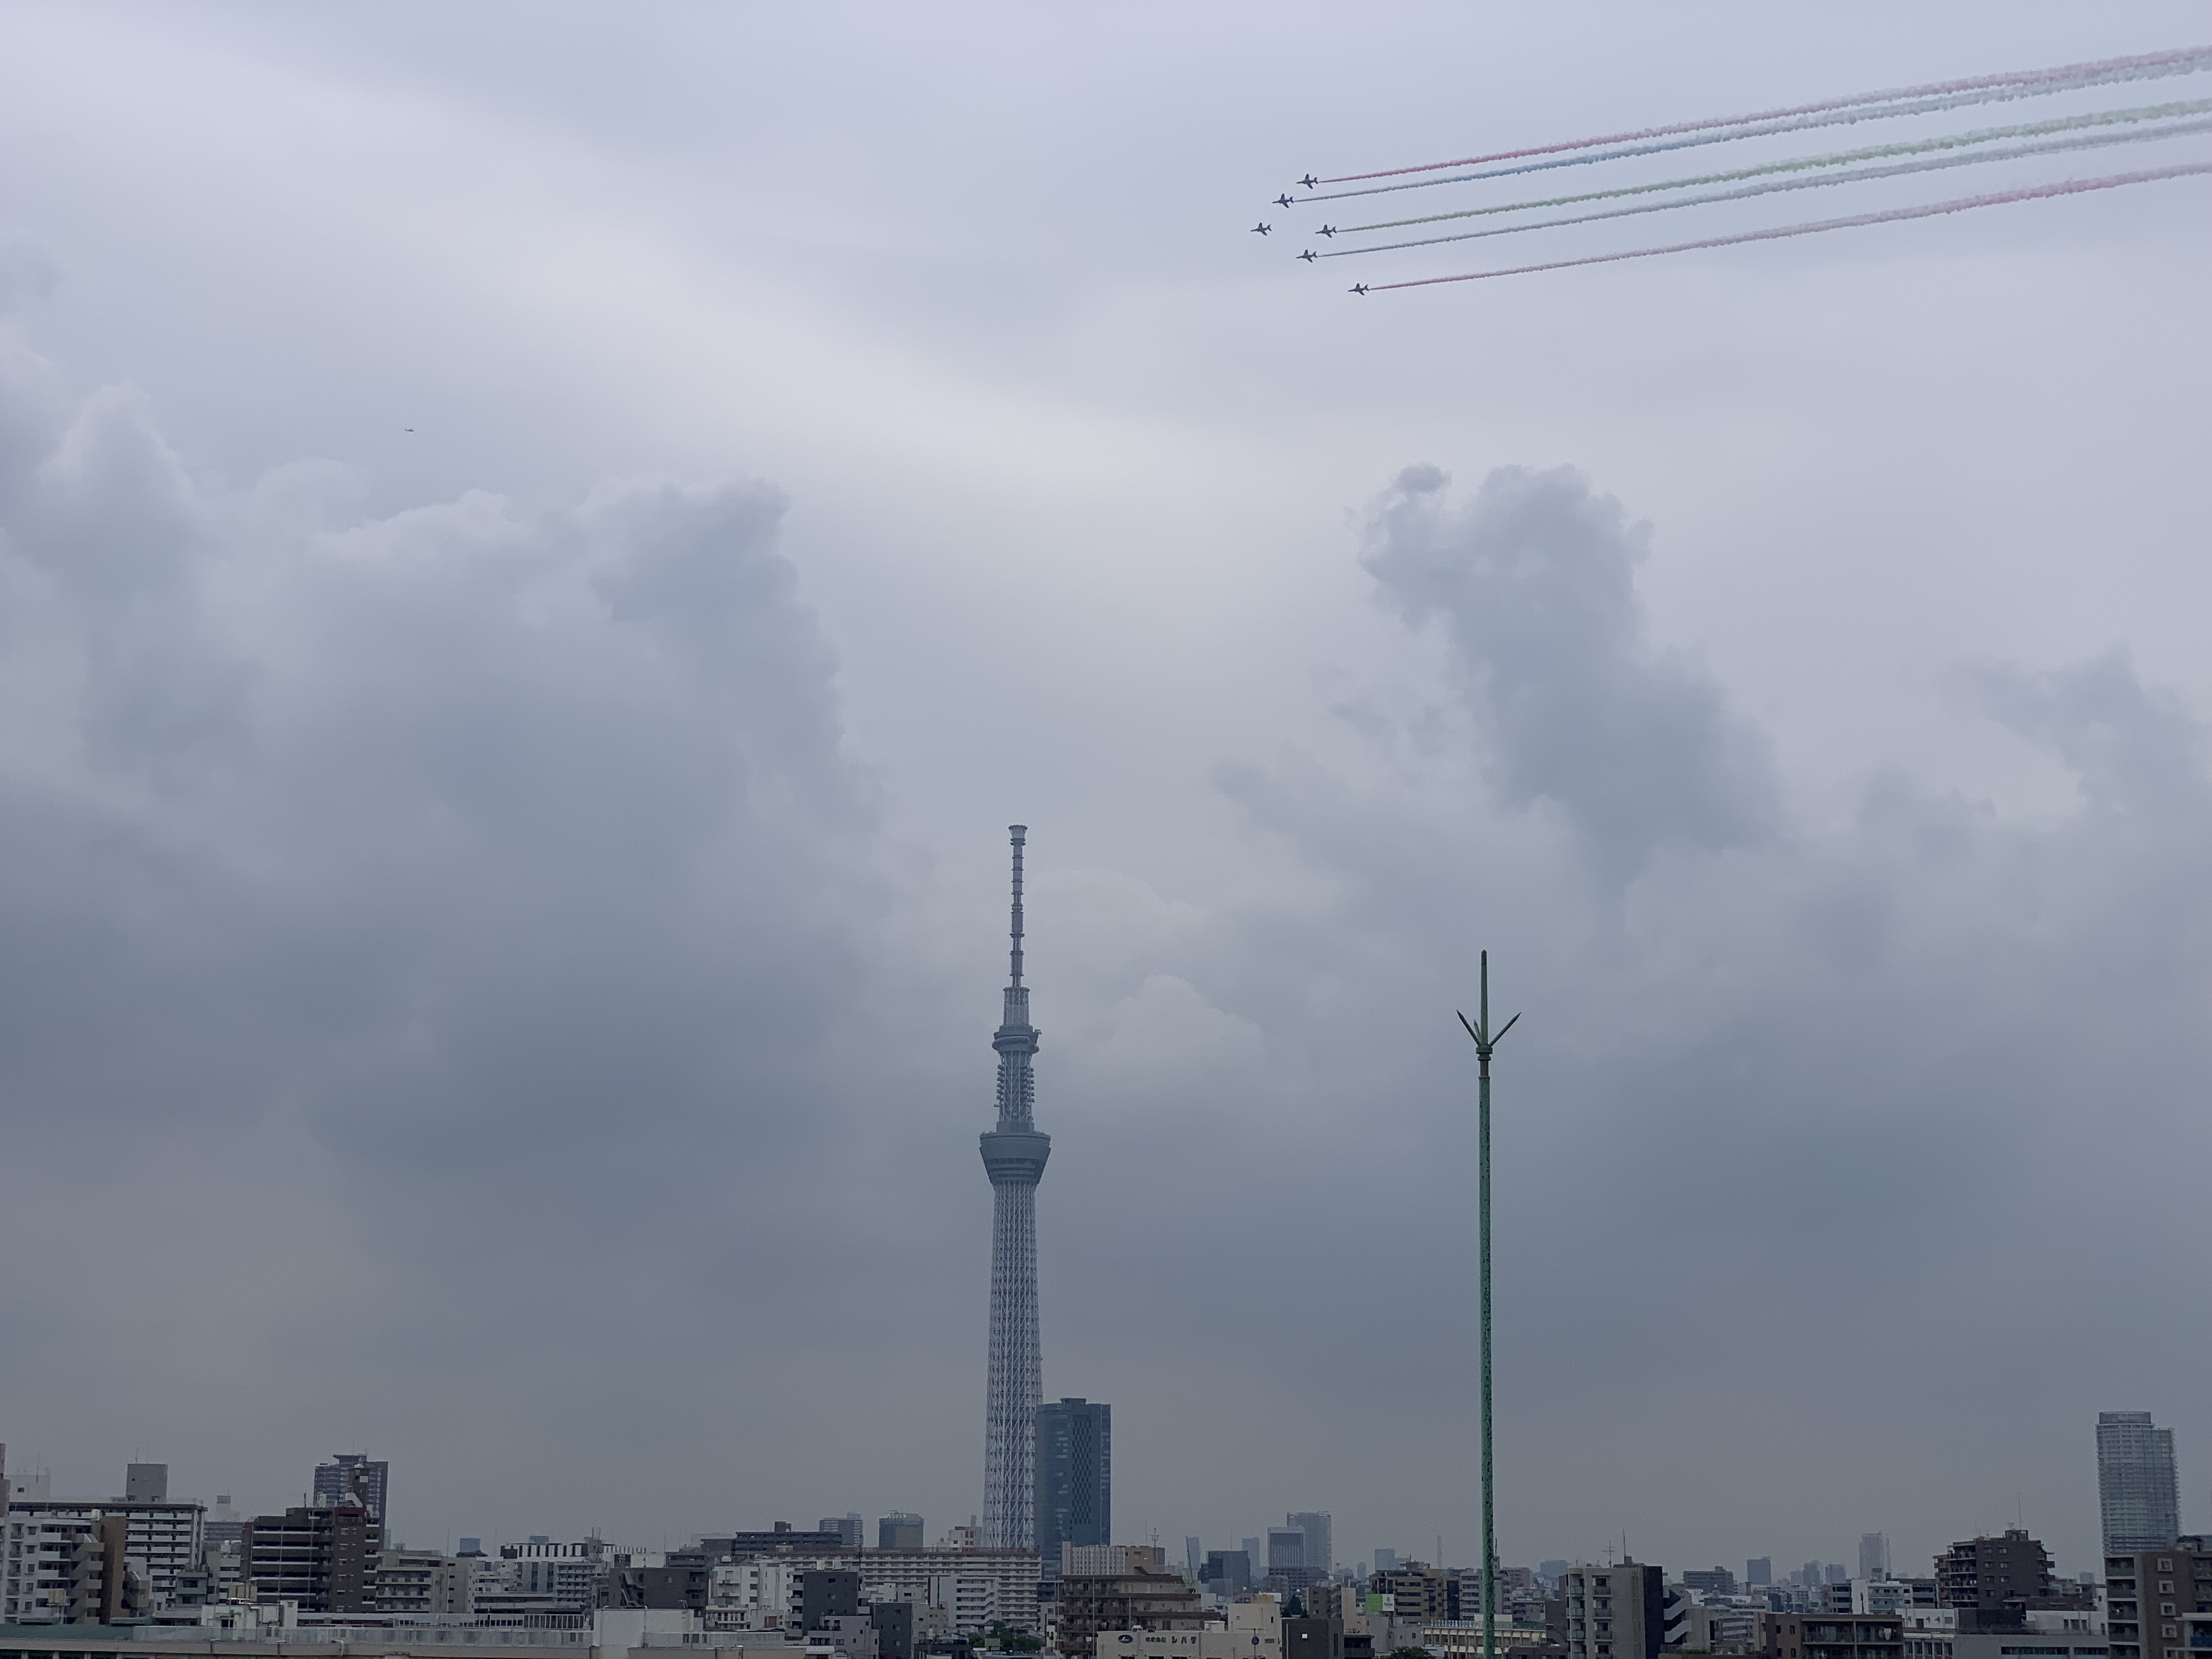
x=1013, y=1155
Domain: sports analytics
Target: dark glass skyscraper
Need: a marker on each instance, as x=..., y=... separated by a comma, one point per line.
x=1074, y=1476
x=356, y=1478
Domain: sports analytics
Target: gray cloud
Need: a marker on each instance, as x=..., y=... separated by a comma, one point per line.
x=448, y=877
x=1533, y=581
x=27, y=272
x=1790, y=1082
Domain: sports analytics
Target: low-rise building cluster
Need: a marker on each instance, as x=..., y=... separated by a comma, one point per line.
x=142, y=1575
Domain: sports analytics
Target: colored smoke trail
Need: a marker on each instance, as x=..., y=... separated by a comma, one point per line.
x=1834, y=158
x=1888, y=216
x=2197, y=60
x=1931, y=164
x=2187, y=60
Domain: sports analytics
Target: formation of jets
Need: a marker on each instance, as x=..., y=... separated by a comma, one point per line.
x=1284, y=201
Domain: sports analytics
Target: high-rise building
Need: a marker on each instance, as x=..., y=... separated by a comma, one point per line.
x=1226, y=1573
x=1075, y=1478
x=1319, y=1561
x=899, y=1531
x=850, y=1529
x=1990, y=1572
x=146, y=1483
x=1287, y=1572
x=2135, y=1487
x=1014, y=1156
x=1710, y=1581
x=356, y=1478
x=2151, y=1595
x=89, y=1560
x=161, y=1541
x=1386, y=1558
x=1759, y=1570
x=1193, y=1555
x=321, y=1556
x=1623, y=1612
x=1873, y=1555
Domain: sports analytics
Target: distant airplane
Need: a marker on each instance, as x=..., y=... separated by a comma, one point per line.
x=1356, y=287
x=1328, y=230
x=1262, y=229
x=1282, y=201
x=410, y=429
x=1308, y=255
x=1308, y=181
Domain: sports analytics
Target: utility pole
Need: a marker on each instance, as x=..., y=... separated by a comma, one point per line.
x=1485, y=1040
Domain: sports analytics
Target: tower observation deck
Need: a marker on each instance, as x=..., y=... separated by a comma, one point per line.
x=1014, y=1154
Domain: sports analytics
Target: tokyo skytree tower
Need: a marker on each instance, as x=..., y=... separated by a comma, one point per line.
x=1014, y=1155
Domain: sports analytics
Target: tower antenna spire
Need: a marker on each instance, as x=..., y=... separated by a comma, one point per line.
x=1018, y=833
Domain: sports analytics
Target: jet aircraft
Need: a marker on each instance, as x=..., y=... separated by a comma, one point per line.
x=1282, y=201
x=1308, y=255
x=1262, y=229
x=1308, y=181
x=1328, y=230
x=1356, y=287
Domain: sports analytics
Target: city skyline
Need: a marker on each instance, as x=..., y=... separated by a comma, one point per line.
x=1080, y=1467
x=540, y=552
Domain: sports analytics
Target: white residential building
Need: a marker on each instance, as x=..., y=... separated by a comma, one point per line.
x=162, y=1541
x=975, y=1588
x=1881, y=1595
x=764, y=1588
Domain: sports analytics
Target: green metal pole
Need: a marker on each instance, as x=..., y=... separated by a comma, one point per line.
x=1489, y=1515
x=1485, y=1042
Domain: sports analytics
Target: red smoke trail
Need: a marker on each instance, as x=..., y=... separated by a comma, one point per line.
x=1888, y=216
x=2126, y=68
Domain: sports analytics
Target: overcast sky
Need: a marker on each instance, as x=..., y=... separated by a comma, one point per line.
x=541, y=549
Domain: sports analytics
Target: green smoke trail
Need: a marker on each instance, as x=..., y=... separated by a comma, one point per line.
x=1834, y=159
x=1857, y=175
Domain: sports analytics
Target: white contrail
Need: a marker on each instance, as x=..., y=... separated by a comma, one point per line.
x=1856, y=175
x=1889, y=216
x=2165, y=64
